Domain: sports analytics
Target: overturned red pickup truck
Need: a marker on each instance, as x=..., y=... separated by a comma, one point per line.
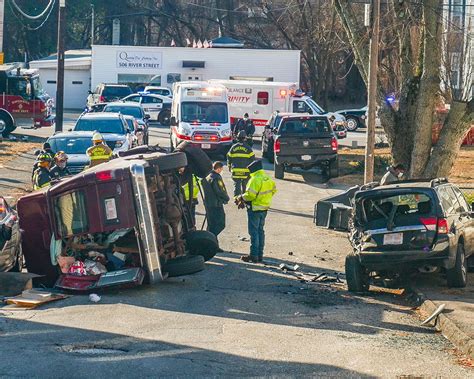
x=121, y=222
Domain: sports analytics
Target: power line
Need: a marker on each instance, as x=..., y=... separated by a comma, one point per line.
x=37, y=17
x=28, y=26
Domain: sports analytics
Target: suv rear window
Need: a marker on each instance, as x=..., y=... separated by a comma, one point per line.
x=112, y=125
x=71, y=214
x=116, y=91
x=305, y=126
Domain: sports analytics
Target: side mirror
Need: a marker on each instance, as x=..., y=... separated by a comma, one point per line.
x=90, y=92
x=146, y=117
x=37, y=152
x=173, y=121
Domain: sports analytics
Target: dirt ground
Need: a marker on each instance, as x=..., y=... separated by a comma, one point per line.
x=351, y=163
x=10, y=149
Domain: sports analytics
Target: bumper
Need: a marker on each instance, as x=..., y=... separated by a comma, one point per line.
x=398, y=260
x=213, y=148
x=44, y=122
x=297, y=160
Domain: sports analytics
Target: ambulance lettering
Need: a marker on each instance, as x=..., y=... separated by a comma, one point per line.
x=239, y=99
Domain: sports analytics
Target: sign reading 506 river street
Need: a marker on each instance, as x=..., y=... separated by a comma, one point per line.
x=139, y=60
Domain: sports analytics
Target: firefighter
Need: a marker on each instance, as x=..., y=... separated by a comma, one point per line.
x=46, y=150
x=258, y=197
x=195, y=194
x=100, y=152
x=245, y=124
x=239, y=157
x=60, y=169
x=394, y=174
x=215, y=196
x=41, y=176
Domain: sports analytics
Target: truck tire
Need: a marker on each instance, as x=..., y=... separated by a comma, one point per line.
x=186, y=265
x=333, y=169
x=356, y=276
x=352, y=123
x=198, y=160
x=457, y=276
x=279, y=171
x=203, y=243
x=164, y=117
x=6, y=125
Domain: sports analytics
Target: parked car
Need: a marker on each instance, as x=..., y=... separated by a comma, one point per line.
x=156, y=106
x=106, y=93
x=268, y=139
x=139, y=131
x=410, y=227
x=305, y=142
x=128, y=214
x=75, y=145
x=355, y=117
x=163, y=91
x=11, y=257
x=131, y=109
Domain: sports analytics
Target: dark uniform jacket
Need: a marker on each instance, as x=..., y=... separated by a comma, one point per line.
x=41, y=178
x=239, y=157
x=215, y=193
x=35, y=166
x=247, y=126
x=57, y=172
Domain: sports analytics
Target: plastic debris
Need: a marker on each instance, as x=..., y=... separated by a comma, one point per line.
x=286, y=266
x=435, y=314
x=94, y=297
x=94, y=268
x=78, y=268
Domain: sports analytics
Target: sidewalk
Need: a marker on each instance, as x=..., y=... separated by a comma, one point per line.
x=457, y=320
x=15, y=177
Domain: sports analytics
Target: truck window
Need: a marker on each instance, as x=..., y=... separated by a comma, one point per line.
x=71, y=214
x=18, y=87
x=300, y=106
x=305, y=126
x=262, y=98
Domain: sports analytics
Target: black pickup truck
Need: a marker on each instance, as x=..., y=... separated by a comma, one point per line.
x=305, y=142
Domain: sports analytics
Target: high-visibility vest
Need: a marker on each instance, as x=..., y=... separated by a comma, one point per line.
x=238, y=158
x=195, y=189
x=260, y=191
x=40, y=180
x=99, y=154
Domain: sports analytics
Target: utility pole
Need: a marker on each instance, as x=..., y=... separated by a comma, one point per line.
x=372, y=94
x=2, y=15
x=60, y=73
x=93, y=25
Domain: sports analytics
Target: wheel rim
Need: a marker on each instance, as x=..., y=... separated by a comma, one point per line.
x=351, y=124
x=3, y=125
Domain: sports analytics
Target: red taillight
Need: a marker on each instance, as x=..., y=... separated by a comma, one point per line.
x=215, y=124
x=102, y=99
x=225, y=139
x=443, y=227
x=195, y=123
x=334, y=144
x=198, y=137
x=429, y=223
x=103, y=176
x=277, y=146
x=214, y=138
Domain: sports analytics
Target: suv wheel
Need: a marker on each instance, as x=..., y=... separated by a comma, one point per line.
x=352, y=123
x=185, y=265
x=203, y=243
x=356, y=275
x=279, y=171
x=164, y=118
x=457, y=276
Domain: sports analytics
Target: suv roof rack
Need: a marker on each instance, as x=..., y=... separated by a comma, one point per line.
x=438, y=181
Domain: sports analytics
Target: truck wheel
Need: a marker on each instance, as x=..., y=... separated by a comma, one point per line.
x=198, y=160
x=333, y=169
x=457, y=276
x=203, y=243
x=356, y=276
x=164, y=117
x=352, y=123
x=186, y=265
x=279, y=171
x=6, y=125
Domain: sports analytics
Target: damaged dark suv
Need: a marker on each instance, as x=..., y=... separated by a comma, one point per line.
x=412, y=226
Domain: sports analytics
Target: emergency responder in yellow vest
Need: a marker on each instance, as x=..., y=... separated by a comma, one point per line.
x=258, y=197
x=41, y=176
x=100, y=152
x=239, y=157
x=187, y=195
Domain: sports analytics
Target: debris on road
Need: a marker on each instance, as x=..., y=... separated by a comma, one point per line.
x=31, y=298
x=13, y=283
x=94, y=298
x=286, y=266
x=435, y=314
x=244, y=239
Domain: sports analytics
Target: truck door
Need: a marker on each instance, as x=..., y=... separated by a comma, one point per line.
x=300, y=106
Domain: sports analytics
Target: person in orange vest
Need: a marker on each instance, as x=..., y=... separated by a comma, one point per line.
x=100, y=152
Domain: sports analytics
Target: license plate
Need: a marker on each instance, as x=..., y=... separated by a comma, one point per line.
x=205, y=146
x=306, y=157
x=393, y=239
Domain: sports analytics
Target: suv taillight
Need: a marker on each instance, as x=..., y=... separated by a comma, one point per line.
x=334, y=144
x=443, y=227
x=277, y=146
x=433, y=223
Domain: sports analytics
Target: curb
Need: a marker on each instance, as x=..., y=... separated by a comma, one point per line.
x=447, y=327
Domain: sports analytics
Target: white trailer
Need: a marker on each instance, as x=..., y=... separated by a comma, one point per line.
x=261, y=99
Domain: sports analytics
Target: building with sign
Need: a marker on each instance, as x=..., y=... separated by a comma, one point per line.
x=138, y=66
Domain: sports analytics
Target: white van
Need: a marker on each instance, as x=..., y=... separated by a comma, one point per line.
x=200, y=114
x=261, y=99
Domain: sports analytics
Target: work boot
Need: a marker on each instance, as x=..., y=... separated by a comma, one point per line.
x=249, y=259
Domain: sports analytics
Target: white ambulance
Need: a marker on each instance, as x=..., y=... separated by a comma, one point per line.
x=200, y=115
x=261, y=99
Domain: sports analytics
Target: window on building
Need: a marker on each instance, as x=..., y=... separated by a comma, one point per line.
x=262, y=98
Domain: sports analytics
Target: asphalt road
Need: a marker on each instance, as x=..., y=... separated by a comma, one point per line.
x=235, y=319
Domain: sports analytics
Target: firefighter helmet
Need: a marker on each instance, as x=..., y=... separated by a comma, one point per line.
x=97, y=137
x=60, y=156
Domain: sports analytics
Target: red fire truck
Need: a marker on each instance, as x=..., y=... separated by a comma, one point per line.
x=22, y=97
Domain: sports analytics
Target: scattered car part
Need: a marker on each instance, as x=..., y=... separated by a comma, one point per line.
x=435, y=314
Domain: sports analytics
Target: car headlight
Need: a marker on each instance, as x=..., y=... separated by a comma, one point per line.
x=226, y=133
